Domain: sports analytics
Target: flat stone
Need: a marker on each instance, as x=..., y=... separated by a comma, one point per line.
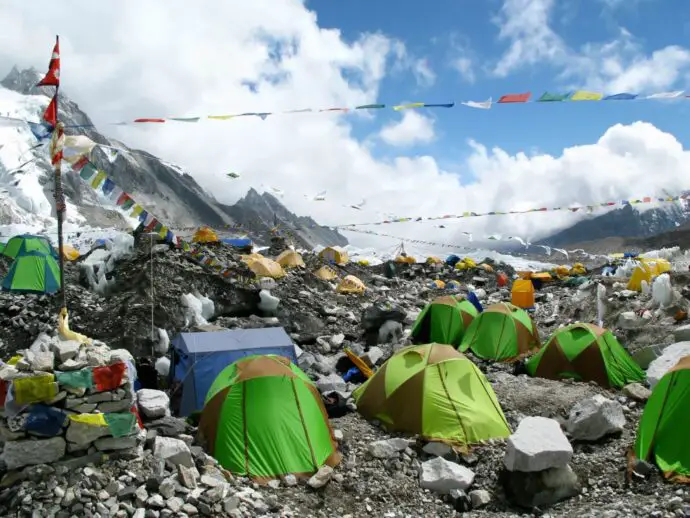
x=153, y=403
x=537, y=444
x=115, y=443
x=321, y=477
x=31, y=452
x=173, y=450
x=81, y=434
x=442, y=476
x=388, y=448
x=637, y=391
x=437, y=449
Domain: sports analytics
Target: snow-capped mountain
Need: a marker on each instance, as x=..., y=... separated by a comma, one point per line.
x=26, y=186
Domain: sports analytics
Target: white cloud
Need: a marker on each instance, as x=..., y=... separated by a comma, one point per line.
x=615, y=66
x=423, y=73
x=413, y=128
x=134, y=59
x=464, y=66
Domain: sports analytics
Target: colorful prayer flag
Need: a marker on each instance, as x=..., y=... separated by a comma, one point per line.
x=515, y=98
x=87, y=171
x=666, y=95
x=120, y=424
x=50, y=113
x=52, y=77
x=370, y=107
x=442, y=105
x=149, y=120
x=620, y=97
x=583, y=95
x=110, y=377
x=78, y=379
x=98, y=180
x=34, y=389
x=220, y=117
x=549, y=97
x=185, y=119
x=90, y=419
x=408, y=106
x=482, y=105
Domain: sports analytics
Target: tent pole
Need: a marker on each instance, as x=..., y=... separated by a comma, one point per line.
x=60, y=210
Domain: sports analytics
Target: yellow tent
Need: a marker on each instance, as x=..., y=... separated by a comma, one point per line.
x=578, y=269
x=290, y=259
x=542, y=276
x=405, y=259
x=642, y=273
x=657, y=266
x=486, y=267
x=205, y=235
x=561, y=271
x=70, y=253
x=363, y=262
x=326, y=273
x=266, y=268
x=334, y=254
x=251, y=257
x=522, y=294
x=351, y=284
x=433, y=260
x=438, y=284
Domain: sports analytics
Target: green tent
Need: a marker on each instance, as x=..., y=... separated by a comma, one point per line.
x=26, y=243
x=33, y=272
x=501, y=332
x=662, y=434
x=2, y=248
x=264, y=418
x=585, y=352
x=436, y=392
x=443, y=321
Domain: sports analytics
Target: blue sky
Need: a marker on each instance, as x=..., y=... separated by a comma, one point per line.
x=449, y=29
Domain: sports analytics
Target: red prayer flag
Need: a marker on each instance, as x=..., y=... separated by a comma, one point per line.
x=52, y=78
x=50, y=115
x=135, y=411
x=79, y=164
x=110, y=377
x=515, y=98
x=3, y=392
x=149, y=120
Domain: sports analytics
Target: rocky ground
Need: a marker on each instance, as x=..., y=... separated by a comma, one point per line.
x=374, y=479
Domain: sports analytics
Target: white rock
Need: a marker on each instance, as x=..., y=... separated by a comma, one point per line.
x=628, y=320
x=537, y=444
x=26, y=453
x=331, y=383
x=82, y=434
x=174, y=450
x=637, y=391
x=442, y=476
x=290, y=480
x=390, y=331
x=65, y=349
x=480, y=293
x=338, y=435
x=337, y=340
x=116, y=443
x=668, y=359
x=388, y=448
x=321, y=477
x=594, y=418
x=153, y=403
x=372, y=356
x=479, y=497
x=437, y=449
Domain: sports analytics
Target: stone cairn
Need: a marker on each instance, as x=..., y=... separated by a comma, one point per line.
x=67, y=398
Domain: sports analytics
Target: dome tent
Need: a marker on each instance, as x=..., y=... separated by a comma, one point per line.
x=662, y=433
x=205, y=235
x=585, y=352
x=443, y=321
x=436, y=392
x=501, y=332
x=33, y=272
x=27, y=243
x=264, y=418
x=264, y=267
x=290, y=259
x=334, y=254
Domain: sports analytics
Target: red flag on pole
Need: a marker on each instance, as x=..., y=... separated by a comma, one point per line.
x=50, y=115
x=52, y=78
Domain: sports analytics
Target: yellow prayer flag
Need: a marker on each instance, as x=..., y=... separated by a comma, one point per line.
x=407, y=106
x=583, y=95
x=14, y=360
x=163, y=232
x=138, y=209
x=98, y=179
x=34, y=389
x=221, y=117
x=91, y=419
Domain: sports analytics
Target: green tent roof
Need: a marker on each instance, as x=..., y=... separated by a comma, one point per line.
x=585, y=352
x=27, y=243
x=662, y=434
x=436, y=392
x=443, y=321
x=264, y=418
x=501, y=332
x=33, y=272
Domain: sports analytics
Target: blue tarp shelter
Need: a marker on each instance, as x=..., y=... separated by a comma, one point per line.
x=238, y=242
x=198, y=358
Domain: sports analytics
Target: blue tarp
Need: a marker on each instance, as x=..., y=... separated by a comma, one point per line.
x=452, y=260
x=239, y=243
x=199, y=357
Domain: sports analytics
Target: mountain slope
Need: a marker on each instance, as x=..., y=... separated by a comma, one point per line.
x=173, y=196
x=626, y=222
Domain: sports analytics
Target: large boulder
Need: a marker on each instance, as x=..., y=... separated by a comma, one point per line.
x=17, y=454
x=594, y=418
x=174, y=450
x=537, y=444
x=443, y=476
x=541, y=488
x=153, y=403
x=667, y=360
x=388, y=448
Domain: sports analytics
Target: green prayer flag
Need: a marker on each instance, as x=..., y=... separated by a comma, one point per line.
x=549, y=97
x=120, y=424
x=87, y=171
x=79, y=379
